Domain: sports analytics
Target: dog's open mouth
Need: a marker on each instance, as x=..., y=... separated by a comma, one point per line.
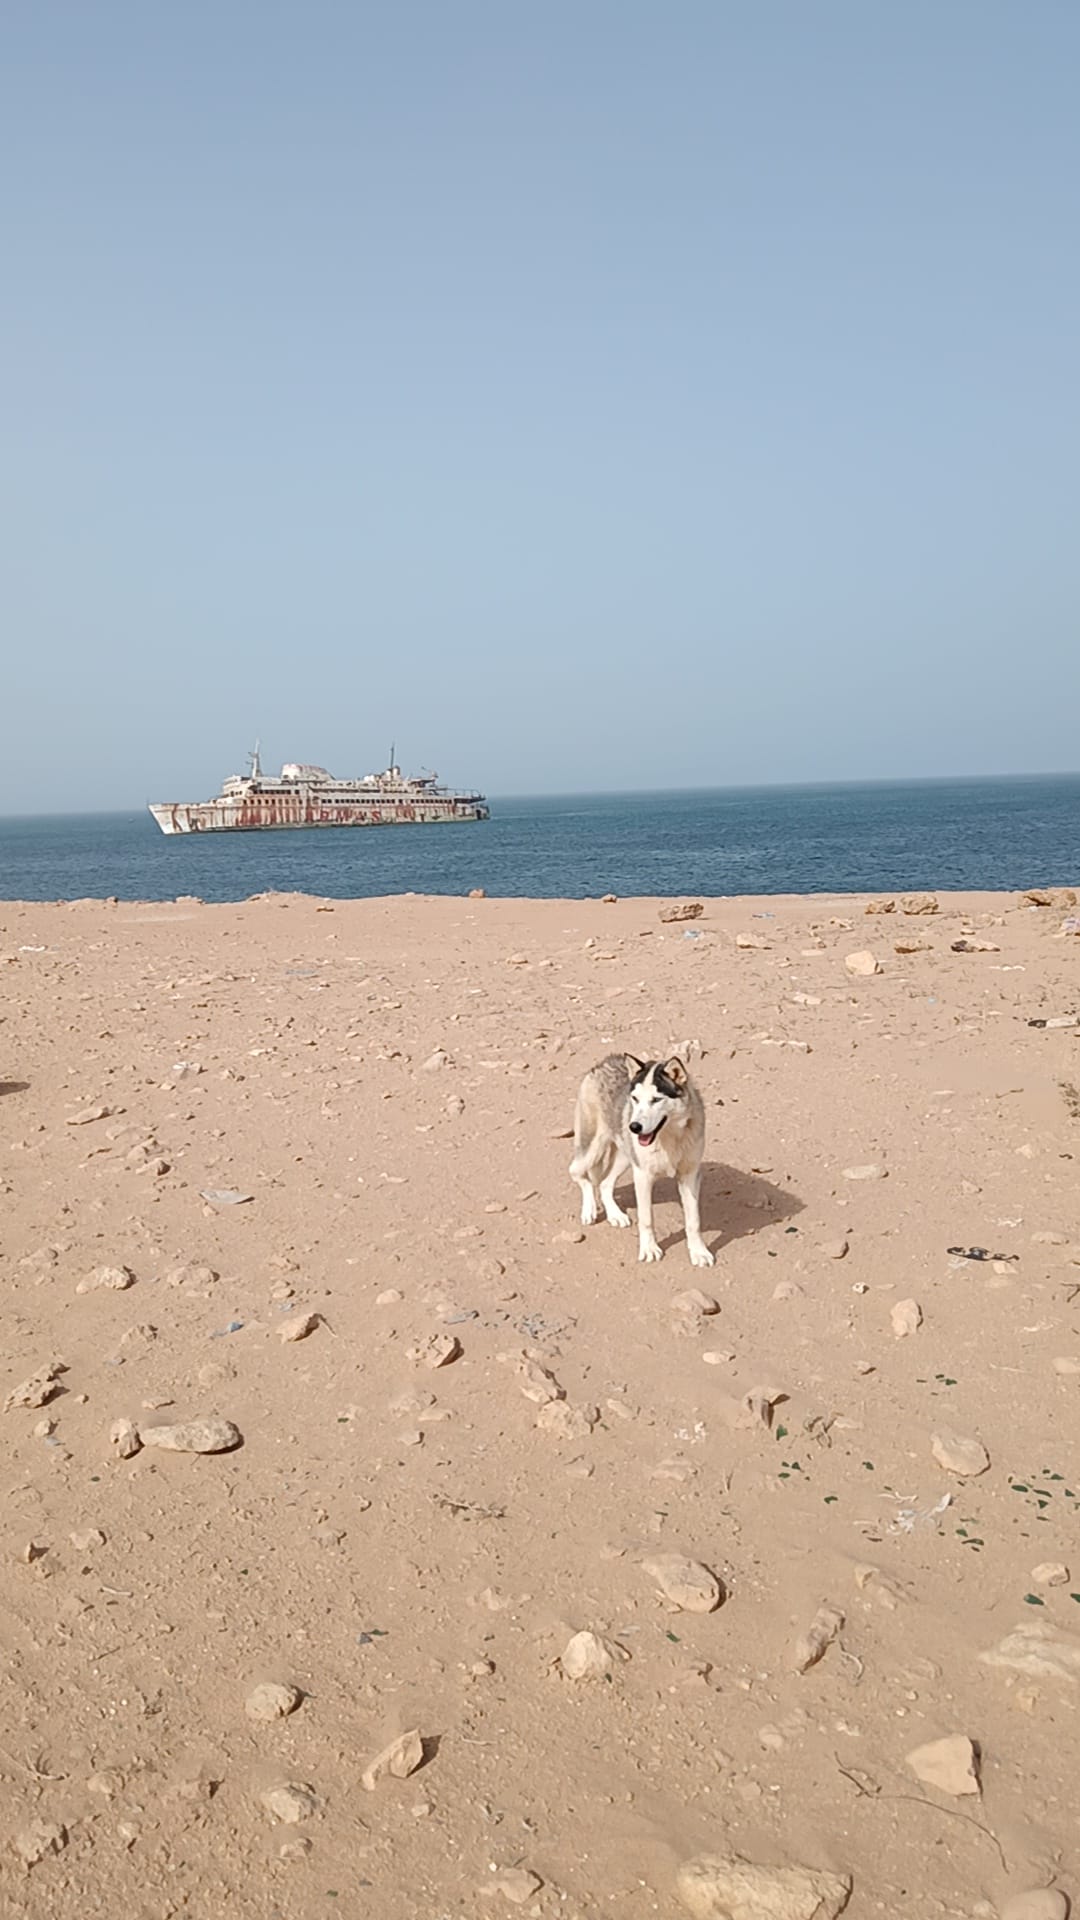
x=646, y=1139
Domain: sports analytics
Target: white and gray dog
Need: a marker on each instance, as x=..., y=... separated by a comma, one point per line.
x=647, y=1116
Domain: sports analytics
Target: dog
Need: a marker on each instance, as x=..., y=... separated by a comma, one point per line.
x=646, y=1115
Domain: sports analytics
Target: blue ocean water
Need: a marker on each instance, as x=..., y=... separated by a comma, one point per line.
x=902, y=835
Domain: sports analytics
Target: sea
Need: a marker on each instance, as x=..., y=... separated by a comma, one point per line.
x=882, y=836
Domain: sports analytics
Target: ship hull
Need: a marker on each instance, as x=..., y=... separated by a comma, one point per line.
x=282, y=812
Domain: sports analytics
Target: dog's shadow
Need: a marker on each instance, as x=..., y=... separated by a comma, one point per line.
x=734, y=1204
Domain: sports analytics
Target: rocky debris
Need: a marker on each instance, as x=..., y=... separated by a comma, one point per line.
x=135, y=1342
x=834, y=1249
x=37, y=1841
x=116, y=1278
x=536, y=1382
x=298, y=1326
x=726, y=1887
x=476, y=893
x=1042, y=1903
x=515, y=1884
x=87, y=1115
x=824, y=1628
x=906, y=1318
x=681, y=910
x=124, y=1439
x=1067, y=1365
x=951, y=1765
x=1050, y=1573
x=272, y=1701
x=755, y=1409
x=914, y=903
x=692, y=1301
x=751, y=943
x=869, y=1172
x=225, y=1196
x=38, y=1388
x=1060, y=897
x=909, y=943
x=567, y=1422
x=440, y=1058
x=86, y=1539
x=880, y=906
x=401, y=1758
x=685, y=1584
x=973, y=943
x=437, y=1350
x=193, y=1277
x=208, y=1435
x=959, y=1453
x=289, y=1803
x=588, y=1657
x=863, y=965
x=1040, y=1651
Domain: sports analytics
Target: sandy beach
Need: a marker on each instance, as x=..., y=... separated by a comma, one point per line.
x=225, y=1126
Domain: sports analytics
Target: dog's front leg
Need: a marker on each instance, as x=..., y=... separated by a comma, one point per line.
x=688, y=1194
x=649, y=1247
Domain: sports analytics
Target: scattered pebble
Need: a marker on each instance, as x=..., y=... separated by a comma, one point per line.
x=124, y=1439
x=515, y=1884
x=298, y=1326
x=35, y=1842
x=289, y=1803
x=437, y=1350
x=1042, y=1903
x=116, y=1278
x=587, y=1657
x=1050, y=1573
x=864, y=1173
x=727, y=1887
x=210, y=1435
x=88, y=1538
x=809, y=1648
x=685, y=1584
x=906, y=1318
x=834, y=1249
x=950, y=1765
x=959, y=1453
x=862, y=965
x=401, y=1758
x=38, y=1389
x=271, y=1701
x=692, y=1300
x=567, y=1422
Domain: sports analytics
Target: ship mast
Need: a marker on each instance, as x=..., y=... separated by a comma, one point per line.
x=256, y=769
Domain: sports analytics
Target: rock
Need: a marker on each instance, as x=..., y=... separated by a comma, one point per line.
x=587, y=1657
x=117, y=1278
x=960, y=1454
x=880, y=906
x=1067, y=1365
x=438, y=1350
x=298, y=1326
x=787, y=1290
x=400, y=1758
x=826, y=1624
x=906, y=1318
x=682, y=910
x=751, y=943
x=970, y=943
x=864, y=1173
x=725, y=1887
x=270, y=1701
x=38, y=1388
x=1050, y=1573
x=124, y=1439
x=225, y=1196
x=834, y=1249
x=193, y=1277
x=918, y=903
x=477, y=893
x=1040, y=1651
x=1042, y=1903
x=35, y=1842
x=88, y=1538
x=950, y=1765
x=567, y=1422
x=289, y=1803
x=515, y=1884
x=862, y=965
x=209, y=1435
x=87, y=1115
x=1060, y=897
x=537, y=1384
x=692, y=1300
x=440, y=1058
x=685, y=1584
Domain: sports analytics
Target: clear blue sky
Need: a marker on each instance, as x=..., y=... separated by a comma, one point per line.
x=584, y=393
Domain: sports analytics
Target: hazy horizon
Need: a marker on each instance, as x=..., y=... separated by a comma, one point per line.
x=604, y=399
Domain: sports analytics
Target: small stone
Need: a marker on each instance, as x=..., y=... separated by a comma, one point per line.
x=959, y=1453
x=1050, y=1573
x=880, y=906
x=116, y=1278
x=210, y=1435
x=390, y=1297
x=864, y=1173
x=810, y=1647
x=400, y=1758
x=436, y=1060
x=87, y=1115
x=35, y=1842
x=587, y=1657
x=1050, y=1239
x=950, y=1765
x=787, y=1290
x=38, y=1389
x=692, y=1300
x=438, y=1350
x=718, y=1357
x=918, y=903
x=834, y=1249
x=751, y=943
x=271, y=1701
x=567, y=1422
x=681, y=910
x=1067, y=1365
x=298, y=1326
x=536, y=1382
x=906, y=1318
x=726, y=1887
x=1042, y=1903
x=685, y=1584
x=862, y=965
x=477, y=893
x=89, y=1537
x=108, y=1783
x=192, y=1276
x=289, y=1803
x=515, y=1884
x=569, y=1237
x=124, y=1439
x=1038, y=1651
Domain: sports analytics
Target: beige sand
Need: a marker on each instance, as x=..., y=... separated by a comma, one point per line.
x=412, y=1547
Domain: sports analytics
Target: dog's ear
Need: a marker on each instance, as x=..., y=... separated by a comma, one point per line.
x=634, y=1066
x=674, y=1071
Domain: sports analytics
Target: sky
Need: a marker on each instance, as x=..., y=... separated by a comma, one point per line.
x=583, y=394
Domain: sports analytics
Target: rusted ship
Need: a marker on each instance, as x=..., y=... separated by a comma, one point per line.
x=303, y=796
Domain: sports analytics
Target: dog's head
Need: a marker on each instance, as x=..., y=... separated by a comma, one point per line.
x=658, y=1093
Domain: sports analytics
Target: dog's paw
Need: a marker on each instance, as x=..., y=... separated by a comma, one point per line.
x=590, y=1212
x=650, y=1250
x=701, y=1257
x=617, y=1218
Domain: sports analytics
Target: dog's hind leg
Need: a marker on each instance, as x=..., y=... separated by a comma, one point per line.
x=688, y=1193
x=612, y=1209
x=584, y=1171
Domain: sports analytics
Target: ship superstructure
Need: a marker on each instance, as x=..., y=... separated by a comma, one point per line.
x=308, y=796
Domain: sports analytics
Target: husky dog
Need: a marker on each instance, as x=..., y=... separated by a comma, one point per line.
x=649, y=1117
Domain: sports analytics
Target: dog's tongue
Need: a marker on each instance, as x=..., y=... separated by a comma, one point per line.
x=648, y=1138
